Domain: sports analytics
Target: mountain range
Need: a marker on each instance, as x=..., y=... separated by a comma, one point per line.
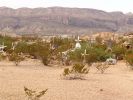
x=61, y=20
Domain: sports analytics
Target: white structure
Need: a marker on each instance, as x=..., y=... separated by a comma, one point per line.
x=84, y=55
x=2, y=47
x=14, y=44
x=111, y=61
x=78, y=45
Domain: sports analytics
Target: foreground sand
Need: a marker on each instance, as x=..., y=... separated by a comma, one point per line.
x=117, y=83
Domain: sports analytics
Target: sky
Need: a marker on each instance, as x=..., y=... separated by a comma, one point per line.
x=106, y=5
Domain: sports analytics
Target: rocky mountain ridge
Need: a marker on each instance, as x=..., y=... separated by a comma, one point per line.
x=59, y=20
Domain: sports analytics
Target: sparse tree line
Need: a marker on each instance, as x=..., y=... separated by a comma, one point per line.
x=60, y=51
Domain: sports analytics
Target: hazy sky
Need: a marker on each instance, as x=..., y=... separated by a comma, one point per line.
x=107, y=5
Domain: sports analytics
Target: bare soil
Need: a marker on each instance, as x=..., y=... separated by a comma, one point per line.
x=115, y=84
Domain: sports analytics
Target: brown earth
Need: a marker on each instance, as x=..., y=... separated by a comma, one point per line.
x=115, y=84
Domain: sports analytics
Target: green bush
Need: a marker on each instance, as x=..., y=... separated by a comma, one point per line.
x=119, y=51
x=45, y=60
x=94, y=54
x=91, y=58
x=97, y=54
x=76, y=56
x=22, y=47
x=43, y=52
x=7, y=42
x=38, y=50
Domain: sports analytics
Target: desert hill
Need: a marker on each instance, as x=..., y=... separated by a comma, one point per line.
x=61, y=20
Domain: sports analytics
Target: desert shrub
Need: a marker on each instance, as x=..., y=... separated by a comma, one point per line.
x=7, y=42
x=33, y=50
x=129, y=51
x=100, y=46
x=119, y=51
x=16, y=58
x=34, y=95
x=101, y=66
x=22, y=47
x=102, y=55
x=38, y=50
x=43, y=52
x=76, y=56
x=91, y=58
x=61, y=44
x=2, y=56
x=79, y=68
x=66, y=72
x=96, y=54
x=77, y=72
x=84, y=44
x=129, y=59
x=45, y=60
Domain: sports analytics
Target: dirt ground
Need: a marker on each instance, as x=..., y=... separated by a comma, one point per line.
x=116, y=83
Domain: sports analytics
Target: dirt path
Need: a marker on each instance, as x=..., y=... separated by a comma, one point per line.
x=116, y=83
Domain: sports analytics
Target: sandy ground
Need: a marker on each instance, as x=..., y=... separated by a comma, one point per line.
x=117, y=82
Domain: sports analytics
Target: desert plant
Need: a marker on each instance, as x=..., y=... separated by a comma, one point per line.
x=91, y=58
x=33, y=95
x=129, y=60
x=66, y=72
x=79, y=68
x=100, y=66
x=96, y=54
x=77, y=72
x=38, y=50
x=3, y=56
x=119, y=51
x=45, y=60
x=16, y=58
x=7, y=42
x=43, y=52
x=22, y=47
x=76, y=55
